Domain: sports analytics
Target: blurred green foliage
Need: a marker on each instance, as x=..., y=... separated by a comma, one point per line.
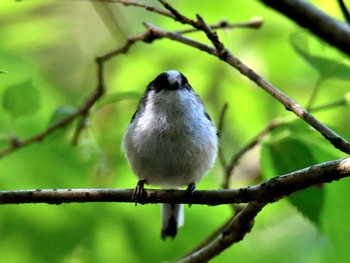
x=21, y=100
x=47, y=52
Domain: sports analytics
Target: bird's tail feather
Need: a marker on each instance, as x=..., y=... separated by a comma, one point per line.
x=172, y=219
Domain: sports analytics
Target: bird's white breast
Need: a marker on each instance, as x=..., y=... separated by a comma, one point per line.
x=171, y=142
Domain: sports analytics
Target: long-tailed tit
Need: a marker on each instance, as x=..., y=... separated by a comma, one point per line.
x=171, y=141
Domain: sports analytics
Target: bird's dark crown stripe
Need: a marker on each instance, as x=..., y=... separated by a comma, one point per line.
x=162, y=82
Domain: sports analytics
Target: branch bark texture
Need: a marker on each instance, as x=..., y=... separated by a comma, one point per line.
x=269, y=191
x=240, y=225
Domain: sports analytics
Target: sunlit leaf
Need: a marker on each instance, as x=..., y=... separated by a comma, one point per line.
x=21, y=100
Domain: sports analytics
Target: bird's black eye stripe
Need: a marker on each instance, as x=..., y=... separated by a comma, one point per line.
x=159, y=83
x=162, y=82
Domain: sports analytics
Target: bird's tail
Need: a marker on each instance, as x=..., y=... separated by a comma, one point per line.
x=172, y=219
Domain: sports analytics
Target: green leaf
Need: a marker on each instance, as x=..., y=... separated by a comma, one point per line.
x=286, y=152
x=309, y=202
x=21, y=100
x=61, y=113
x=326, y=67
x=3, y=72
x=289, y=154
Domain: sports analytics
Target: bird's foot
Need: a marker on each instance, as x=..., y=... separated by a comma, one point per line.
x=190, y=191
x=140, y=194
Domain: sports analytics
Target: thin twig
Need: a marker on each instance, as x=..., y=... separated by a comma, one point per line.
x=208, y=239
x=60, y=124
x=224, y=54
x=138, y=4
x=238, y=228
x=338, y=103
x=269, y=191
x=220, y=129
x=146, y=37
x=178, y=16
x=256, y=140
x=91, y=102
x=254, y=23
x=344, y=10
x=84, y=110
x=336, y=140
x=262, y=134
x=314, y=93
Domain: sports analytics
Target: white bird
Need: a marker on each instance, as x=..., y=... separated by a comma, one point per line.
x=170, y=142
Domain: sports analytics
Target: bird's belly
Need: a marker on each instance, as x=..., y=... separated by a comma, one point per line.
x=170, y=161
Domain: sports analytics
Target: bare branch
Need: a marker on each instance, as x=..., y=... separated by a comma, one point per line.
x=100, y=78
x=241, y=224
x=220, y=128
x=269, y=191
x=225, y=55
x=344, y=10
x=338, y=103
x=235, y=159
x=256, y=196
x=212, y=236
x=178, y=16
x=254, y=23
x=319, y=23
x=82, y=111
x=138, y=4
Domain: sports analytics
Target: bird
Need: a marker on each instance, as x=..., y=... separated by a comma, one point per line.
x=170, y=142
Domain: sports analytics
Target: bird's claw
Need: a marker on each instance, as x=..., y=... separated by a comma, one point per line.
x=190, y=191
x=140, y=194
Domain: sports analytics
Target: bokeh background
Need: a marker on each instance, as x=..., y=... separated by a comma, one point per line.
x=47, y=52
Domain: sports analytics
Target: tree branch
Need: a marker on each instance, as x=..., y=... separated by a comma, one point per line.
x=319, y=23
x=148, y=7
x=256, y=196
x=344, y=10
x=225, y=55
x=84, y=110
x=220, y=128
x=240, y=225
x=212, y=236
x=269, y=191
x=235, y=158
